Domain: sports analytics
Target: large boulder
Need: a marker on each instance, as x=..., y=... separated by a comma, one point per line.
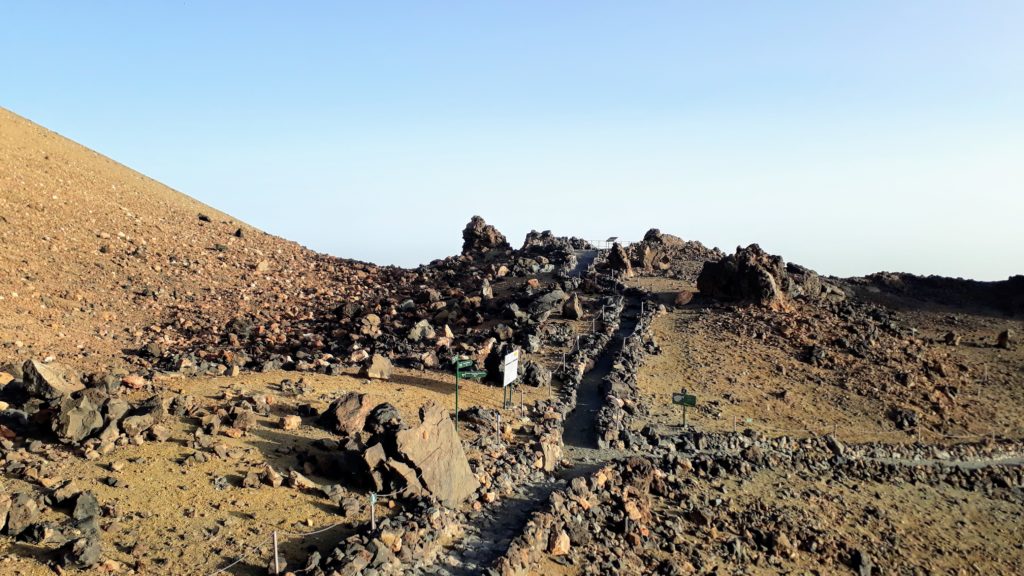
x=347, y=415
x=618, y=261
x=802, y=281
x=573, y=308
x=750, y=275
x=433, y=449
x=138, y=424
x=378, y=368
x=50, y=381
x=655, y=236
x=83, y=553
x=535, y=374
x=1005, y=339
x=383, y=418
x=369, y=325
x=23, y=513
x=479, y=237
x=77, y=419
x=548, y=302
x=422, y=330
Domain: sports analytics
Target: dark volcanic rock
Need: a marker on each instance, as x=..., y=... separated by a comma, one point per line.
x=618, y=260
x=82, y=553
x=77, y=419
x=750, y=275
x=655, y=236
x=50, y=381
x=903, y=418
x=86, y=506
x=479, y=237
x=434, y=450
x=24, y=512
x=382, y=418
x=573, y=308
x=1004, y=295
x=1005, y=339
x=548, y=302
x=535, y=374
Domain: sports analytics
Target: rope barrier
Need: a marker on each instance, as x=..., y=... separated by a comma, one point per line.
x=236, y=562
x=373, y=501
x=373, y=506
x=763, y=427
x=305, y=534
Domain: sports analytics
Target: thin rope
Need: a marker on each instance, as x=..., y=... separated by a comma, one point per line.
x=304, y=534
x=325, y=529
x=242, y=557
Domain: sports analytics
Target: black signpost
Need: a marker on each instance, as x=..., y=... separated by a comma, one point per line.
x=459, y=364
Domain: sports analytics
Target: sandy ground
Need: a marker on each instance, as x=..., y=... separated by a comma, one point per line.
x=172, y=519
x=943, y=530
x=741, y=382
x=929, y=530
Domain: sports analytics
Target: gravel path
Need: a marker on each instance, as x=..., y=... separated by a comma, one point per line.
x=489, y=536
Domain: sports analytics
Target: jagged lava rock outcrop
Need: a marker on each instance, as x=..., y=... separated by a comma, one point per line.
x=479, y=237
x=751, y=275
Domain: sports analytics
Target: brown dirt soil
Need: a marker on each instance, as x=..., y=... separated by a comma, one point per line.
x=97, y=256
x=101, y=260
x=935, y=528
x=172, y=519
x=745, y=382
x=942, y=530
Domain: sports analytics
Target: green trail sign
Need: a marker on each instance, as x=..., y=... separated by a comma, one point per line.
x=684, y=400
x=461, y=363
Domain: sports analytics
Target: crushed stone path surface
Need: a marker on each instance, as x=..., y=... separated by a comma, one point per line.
x=971, y=464
x=490, y=535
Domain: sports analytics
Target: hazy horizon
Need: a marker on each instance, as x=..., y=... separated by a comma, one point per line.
x=849, y=139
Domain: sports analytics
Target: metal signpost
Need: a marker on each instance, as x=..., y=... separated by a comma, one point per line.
x=461, y=363
x=684, y=399
x=511, y=364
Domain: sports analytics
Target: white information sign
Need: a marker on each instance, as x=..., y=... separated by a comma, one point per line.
x=511, y=368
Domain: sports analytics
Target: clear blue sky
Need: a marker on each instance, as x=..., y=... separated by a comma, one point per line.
x=847, y=136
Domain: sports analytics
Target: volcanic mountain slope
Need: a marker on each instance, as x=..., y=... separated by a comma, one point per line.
x=110, y=271
x=96, y=256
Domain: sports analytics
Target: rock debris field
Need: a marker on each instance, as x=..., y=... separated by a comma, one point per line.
x=181, y=393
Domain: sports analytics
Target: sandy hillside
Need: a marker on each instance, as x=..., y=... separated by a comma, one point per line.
x=96, y=254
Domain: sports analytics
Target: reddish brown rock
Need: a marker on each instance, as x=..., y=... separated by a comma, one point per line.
x=558, y=543
x=751, y=275
x=347, y=415
x=683, y=298
x=573, y=308
x=434, y=450
x=618, y=261
x=479, y=237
